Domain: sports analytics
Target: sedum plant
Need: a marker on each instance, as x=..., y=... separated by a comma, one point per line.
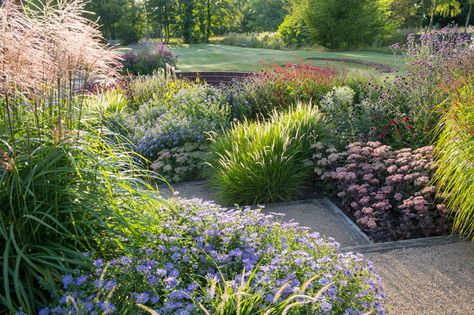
x=388, y=192
x=182, y=163
x=262, y=161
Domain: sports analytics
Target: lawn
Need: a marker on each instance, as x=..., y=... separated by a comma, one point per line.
x=208, y=57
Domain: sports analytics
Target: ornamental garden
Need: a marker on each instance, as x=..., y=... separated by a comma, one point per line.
x=90, y=133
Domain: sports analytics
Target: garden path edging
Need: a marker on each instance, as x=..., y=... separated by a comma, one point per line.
x=359, y=241
x=403, y=244
x=390, y=245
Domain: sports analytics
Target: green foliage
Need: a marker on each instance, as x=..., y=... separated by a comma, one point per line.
x=120, y=19
x=263, y=15
x=159, y=85
x=148, y=57
x=455, y=153
x=262, y=161
x=294, y=31
x=332, y=22
x=182, y=163
x=254, y=40
x=279, y=87
x=107, y=103
x=184, y=116
x=58, y=201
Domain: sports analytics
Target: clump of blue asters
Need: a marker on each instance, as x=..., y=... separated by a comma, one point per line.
x=202, y=248
x=184, y=117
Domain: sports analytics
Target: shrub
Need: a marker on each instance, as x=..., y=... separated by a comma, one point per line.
x=185, y=117
x=338, y=106
x=377, y=112
x=253, y=40
x=430, y=62
x=205, y=253
x=279, y=87
x=148, y=57
x=182, y=163
x=262, y=161
x=155, y=86
x=455, y=155
x=332, y=22
x=294, y=32
x=388, y=192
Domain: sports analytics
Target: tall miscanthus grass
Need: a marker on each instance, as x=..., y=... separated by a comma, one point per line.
x=63, y=188
x=48, y=53
x=59, y=201
x=455, y=155
x=263, y=161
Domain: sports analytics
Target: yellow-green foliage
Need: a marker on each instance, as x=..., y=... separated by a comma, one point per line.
x=455, y=149
x=263, y=161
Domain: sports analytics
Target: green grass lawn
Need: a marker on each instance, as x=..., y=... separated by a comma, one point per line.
x=208, y=57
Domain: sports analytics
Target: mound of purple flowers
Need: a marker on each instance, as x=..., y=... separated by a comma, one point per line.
x=147, y=57
x=202, y=247
x=388, y=192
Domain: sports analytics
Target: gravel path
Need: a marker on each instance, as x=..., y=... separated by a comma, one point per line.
x=428, y=280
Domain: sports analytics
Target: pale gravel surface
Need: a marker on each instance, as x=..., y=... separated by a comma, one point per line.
x=436, y=280
x=319, y=218
x=428, y=280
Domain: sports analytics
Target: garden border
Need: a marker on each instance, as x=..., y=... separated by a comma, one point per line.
x=390, y=245
x=368, y=245
x=365, y=244
x=403, y=244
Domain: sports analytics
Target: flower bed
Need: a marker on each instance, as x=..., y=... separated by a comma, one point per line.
x=387, y=192
x=206, y=256
x=148, y=57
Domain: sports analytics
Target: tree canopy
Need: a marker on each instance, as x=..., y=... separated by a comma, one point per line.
x=331, y=23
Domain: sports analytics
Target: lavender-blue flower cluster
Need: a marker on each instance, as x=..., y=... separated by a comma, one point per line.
x=184, y=117
x=201, y=246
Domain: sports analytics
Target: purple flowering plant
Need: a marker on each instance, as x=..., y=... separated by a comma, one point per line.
x=147, y=57
x=185, y=116
x=388, y=192
x=209, y=259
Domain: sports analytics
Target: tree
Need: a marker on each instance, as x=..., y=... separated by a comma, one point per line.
x=344, y=23
x=264, y=15
x=443, y=8
x=120, y=19
x=468, y=17
x=404, y=13
x=164, y=15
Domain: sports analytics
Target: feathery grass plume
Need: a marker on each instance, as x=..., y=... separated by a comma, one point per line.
x=60, y=194
x=48, y=52
x=455, y=155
